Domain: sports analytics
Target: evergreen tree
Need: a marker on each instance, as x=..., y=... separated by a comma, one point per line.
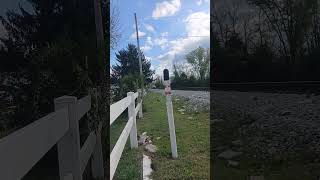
x=128, y=63
x=47, y=45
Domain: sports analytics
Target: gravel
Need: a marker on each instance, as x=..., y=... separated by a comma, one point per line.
x=274, y=124
x=197, y=101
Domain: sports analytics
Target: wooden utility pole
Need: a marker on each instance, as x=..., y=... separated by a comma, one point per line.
x=100, y=39
x=97, y=166
x=139, y=54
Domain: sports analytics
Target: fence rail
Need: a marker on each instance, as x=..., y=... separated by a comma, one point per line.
x=22, y=149
x=130, y=129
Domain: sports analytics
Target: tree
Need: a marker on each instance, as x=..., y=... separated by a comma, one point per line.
x=199, y=61
x=47, y=45
x=289, y=19
x=128, y=64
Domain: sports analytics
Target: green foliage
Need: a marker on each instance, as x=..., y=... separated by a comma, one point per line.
x=199, y=60
x=129, y=83
x=126, y=73
x=198, y=76
x=159, y=84
x=48, y=49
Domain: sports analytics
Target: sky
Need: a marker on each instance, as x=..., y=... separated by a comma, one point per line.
x=168, y=29
x=13, y=5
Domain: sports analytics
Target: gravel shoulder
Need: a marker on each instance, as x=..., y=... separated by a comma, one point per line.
x=197, y=101
x=273, y=124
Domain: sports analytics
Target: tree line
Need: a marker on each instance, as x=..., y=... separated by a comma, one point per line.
x=194, y=72
x=265, y=40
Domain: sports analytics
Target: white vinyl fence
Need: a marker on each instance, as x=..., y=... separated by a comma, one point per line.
x=131, y=128
x=22, y=149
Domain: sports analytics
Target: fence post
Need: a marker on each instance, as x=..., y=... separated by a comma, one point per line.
x=172, y=129
x=69, y=144
x=131, y=113
x=140, y=98
x=97, y=157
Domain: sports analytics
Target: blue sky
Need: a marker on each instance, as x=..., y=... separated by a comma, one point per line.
x=168, y=29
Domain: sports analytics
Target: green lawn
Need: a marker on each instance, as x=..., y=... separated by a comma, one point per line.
x=193, y=141
x=130, y=163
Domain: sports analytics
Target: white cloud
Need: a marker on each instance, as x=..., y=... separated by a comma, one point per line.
x=197, y=24
x=164, y=34
x=149, y=28
x=146, y=48
x=148, y=44
x=134, y=35
x=162, y=42
x=149, y=41
x=199, y=2
x=152, y=67
x=166, y=8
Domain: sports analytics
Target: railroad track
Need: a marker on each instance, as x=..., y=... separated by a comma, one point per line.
x=279, y=87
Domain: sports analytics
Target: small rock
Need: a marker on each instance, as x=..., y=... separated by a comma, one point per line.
x=142, y=139
x=189, y=117
x=151, y=148
x=182, y=113
x=233, y=163
x=229, y=154
x=147, y=170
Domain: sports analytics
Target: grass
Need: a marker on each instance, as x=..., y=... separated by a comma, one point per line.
x=193, y=143
x=193, y=140
x=129, y=166
x=222, y=135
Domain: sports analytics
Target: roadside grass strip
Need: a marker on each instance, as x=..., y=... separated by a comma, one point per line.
x=130, y=164
x=193, y=140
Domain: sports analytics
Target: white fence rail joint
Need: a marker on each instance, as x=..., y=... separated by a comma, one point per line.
x=22, y=149
x=130, y=129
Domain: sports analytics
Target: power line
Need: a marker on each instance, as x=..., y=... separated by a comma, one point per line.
x=168, y=18
x=157, y=37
